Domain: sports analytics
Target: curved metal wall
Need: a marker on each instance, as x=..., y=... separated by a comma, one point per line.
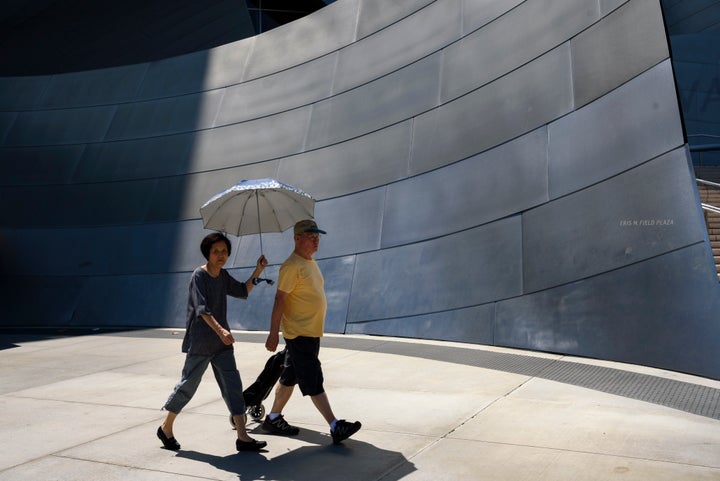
x=490, y=171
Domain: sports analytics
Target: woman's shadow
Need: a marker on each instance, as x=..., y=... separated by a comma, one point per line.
x=352, y=460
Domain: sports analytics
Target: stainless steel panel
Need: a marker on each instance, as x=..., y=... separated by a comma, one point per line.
x=375, y=15
x=177, y=198
x=166, y=116
x=152, y=200
x=95, y=87
x=476, y=13
x=84, y=204
x=225, y=65
x=135, y=159
x=607, y=6
x=474, y=325
x=697, y=47
x=399, y=45
x=457, y=271
x=148, y=248
x=7, y=119
x=661, y=312
x=253, y=141
x=338, y=274
x=23, y=93
x=38, y=165
x=115, y=301
x=636, y=122
x=254, y=312
x=687, y=17
x=184, y=74
x=518, y=37
x=390, y=99
x=358, y=164
x=485, y=187
x=48, y=127
x=352, y=223
x=639, y=214
x=284, y=90
x=699, y=92
x=520, y=102
x=625, y=43
x=313, y=36
x=49, y=300
x=167, y=201
x=110, y=250
x=60, y=252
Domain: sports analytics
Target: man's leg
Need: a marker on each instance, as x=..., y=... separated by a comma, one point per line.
x=340, y=430
x=322, y=403
x=282, y=396
x=275, y=422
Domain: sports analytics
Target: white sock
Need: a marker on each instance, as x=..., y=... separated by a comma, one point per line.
x=272, y=416
x=332, y=424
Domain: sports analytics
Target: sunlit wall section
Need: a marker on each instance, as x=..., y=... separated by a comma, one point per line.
x=511, y=173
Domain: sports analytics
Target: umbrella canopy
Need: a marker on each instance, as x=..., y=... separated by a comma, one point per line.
x=257, y=206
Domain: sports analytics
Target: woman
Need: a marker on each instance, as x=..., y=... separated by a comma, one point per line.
x=208, y=341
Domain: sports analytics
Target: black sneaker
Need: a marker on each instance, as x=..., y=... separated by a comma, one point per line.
x=344, y=430
x=279, y=426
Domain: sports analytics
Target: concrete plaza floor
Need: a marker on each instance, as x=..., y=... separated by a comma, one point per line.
x=86, y=408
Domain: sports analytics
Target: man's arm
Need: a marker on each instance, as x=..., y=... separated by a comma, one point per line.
x=273, y=338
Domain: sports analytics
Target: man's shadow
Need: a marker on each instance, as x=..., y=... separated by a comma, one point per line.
x=352, y=460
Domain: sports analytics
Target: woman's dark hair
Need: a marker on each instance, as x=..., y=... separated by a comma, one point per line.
x=209, y=240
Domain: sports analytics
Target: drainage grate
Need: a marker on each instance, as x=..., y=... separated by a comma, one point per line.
x=684, y=396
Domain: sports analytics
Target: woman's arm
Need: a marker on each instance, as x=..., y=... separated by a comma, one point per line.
x=225, y=336
x=259, y=267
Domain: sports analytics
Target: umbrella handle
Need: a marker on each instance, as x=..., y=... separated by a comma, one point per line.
x=257, y=204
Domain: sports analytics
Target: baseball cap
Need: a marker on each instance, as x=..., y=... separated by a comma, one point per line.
x=307, y=225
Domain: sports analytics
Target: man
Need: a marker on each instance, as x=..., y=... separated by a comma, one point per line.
x=299, y=310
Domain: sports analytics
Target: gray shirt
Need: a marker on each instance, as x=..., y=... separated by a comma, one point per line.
x=208, y=295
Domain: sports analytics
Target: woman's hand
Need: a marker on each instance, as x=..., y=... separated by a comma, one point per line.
x=226, y=337
x=262, y=263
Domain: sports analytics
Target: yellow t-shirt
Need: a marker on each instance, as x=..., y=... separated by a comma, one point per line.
x=305, y=304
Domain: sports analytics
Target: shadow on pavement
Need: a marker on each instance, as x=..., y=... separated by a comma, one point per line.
x=350, y=461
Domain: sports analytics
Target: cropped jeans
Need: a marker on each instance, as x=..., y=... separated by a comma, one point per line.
x=226, y=375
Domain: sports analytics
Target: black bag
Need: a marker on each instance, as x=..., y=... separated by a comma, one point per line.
x=260, y=389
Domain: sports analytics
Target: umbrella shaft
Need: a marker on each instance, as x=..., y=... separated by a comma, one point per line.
x=257, y=205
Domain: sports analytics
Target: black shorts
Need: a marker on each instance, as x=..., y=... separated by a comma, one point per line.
x=302, y=365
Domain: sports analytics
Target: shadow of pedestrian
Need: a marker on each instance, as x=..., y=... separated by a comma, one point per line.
x=351, y=461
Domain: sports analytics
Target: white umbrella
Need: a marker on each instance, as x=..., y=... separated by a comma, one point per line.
x=257, y=206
